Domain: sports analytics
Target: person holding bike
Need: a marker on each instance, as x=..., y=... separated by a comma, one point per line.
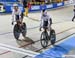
x=46, y=21
x=19, y=27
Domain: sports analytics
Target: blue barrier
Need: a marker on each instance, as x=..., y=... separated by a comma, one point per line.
x=50, y=6
x=59, y=50
x=8, y=0
x=8, y=7
x=46, y=6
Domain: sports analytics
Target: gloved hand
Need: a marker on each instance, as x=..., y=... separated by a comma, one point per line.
x=12, y=23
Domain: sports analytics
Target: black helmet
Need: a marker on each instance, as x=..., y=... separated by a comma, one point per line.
x=43, y=10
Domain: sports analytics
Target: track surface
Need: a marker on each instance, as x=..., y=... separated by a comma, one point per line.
x=61, y=24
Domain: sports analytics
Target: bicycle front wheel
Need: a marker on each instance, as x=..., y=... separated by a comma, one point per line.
x=44, y=39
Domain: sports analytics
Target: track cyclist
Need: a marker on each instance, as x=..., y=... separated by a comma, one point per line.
x=19, y=27
x=17, y=14
x=46, y=21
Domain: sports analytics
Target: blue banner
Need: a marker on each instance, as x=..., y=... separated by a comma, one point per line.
x=60, y=4
x=8, y=0
x=45, y=6
x=8, y=7
x=35, y=8
x=49, y=6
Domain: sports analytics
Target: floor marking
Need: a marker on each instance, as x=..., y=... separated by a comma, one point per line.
x=18, y=50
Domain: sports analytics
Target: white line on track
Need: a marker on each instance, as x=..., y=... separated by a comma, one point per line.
x=18, y=50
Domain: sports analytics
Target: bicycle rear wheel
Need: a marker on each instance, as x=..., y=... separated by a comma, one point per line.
x=24, y=30
x=52, y=37
x=44, y=39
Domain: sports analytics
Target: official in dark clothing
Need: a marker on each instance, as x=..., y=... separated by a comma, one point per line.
x=25, y=5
